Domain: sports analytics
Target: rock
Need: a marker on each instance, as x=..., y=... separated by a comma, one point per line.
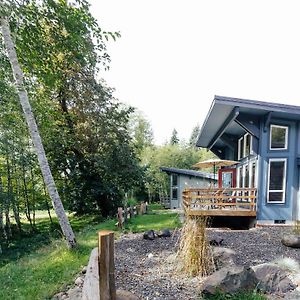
x=294, y=295
x=273, y=279
x=125, y=295
x=223, y=257
x=216, y=242
x=164, y=233
x=291, y=240
x=150, y=255
x=79, y=281
x=229, y=280
x=58, y=296
x=75, y=294
x=149, y=235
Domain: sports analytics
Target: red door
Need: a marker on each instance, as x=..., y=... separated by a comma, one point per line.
x=227, y=178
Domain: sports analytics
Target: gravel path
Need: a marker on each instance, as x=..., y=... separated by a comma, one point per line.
x=148, y=268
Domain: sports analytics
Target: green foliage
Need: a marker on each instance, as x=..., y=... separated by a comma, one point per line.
x=178, y=156
x=141, y=132
x=85, y=130
x=132, y=202
x=154, y=221
x=174, y=138
x=194, y=136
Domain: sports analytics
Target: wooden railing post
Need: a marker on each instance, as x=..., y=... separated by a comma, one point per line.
x=106, y=265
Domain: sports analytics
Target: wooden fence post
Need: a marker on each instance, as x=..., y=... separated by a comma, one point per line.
x=125, y=215
x=106, y=265
x=120, y=217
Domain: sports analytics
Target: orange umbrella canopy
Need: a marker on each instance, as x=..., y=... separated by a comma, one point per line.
x=215, y=163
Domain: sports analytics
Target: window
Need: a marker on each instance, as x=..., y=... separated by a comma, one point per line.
x=276, y=184
x=278, y=137
x=246, y=175
x=244, y=146
x=253, y=175
x=174, y=193
x=174, y=180
x=174, y=186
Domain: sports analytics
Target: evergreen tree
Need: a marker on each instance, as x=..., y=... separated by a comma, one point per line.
x=174, y=138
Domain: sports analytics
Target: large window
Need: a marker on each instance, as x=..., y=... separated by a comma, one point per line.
x=174, y=180
x=174, y=186
x=278, y=137
x=246, y=175
x=277, y=178
x=244, y=146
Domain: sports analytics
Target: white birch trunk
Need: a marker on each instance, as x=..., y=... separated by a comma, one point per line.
x=34, y=132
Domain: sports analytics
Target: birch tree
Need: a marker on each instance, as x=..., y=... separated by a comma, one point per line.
x=35, y=136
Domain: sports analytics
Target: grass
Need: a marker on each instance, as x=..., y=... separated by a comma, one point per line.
x=39, y=265
x=157, y=219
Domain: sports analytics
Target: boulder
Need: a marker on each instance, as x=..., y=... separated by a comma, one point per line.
x=75, y=294
x=79, y=281
x=223, y=257
x=149, y=235
x=294, y=295
x=272, y=279
x=291, y=240
x=229, y=280
x=216, y=242
x=164, y=233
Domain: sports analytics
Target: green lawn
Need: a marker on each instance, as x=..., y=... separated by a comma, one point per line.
x=39, y=265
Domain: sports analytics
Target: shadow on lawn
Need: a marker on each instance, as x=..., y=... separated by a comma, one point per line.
x=31, y=240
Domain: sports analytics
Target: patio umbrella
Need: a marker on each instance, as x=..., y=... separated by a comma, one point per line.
x=215, y=163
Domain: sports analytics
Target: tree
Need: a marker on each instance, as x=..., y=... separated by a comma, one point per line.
x=174, y=138
x=177, y=156
x=141, y=132
x=194, y=136
x=18, y=75
x=84, y=128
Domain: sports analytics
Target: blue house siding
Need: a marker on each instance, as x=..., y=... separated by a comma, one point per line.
x=277, y=211
x=223, y=132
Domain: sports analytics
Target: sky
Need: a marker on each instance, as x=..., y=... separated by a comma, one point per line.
x=175, y=55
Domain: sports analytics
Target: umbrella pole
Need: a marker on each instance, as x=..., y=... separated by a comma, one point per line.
x=214, y=174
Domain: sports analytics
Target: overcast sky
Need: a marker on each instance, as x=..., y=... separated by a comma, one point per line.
x=175, y=55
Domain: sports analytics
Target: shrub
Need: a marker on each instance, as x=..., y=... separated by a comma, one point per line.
x=194, y=250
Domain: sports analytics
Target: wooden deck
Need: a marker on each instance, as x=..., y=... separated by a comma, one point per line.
x=238, y=202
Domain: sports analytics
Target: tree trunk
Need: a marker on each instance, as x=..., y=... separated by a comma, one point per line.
x=2, y=205
x=34, y=132
x=10, y=193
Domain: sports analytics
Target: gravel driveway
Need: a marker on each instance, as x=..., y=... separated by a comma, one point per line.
x=148, y=268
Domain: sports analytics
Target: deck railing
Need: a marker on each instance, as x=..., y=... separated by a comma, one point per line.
x=220, y=201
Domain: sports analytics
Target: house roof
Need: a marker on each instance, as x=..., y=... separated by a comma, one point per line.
x=188, y=172
x=224, y=110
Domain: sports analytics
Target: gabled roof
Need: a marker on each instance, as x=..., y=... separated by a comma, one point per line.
x=224, y=110
x=188, y=172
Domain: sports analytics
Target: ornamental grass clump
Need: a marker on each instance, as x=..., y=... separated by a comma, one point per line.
x=194, y=250
x=296, y=228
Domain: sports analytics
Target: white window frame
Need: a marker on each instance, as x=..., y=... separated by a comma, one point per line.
x=243, y=140
x=286, y=137
x=240, y=140
x=284, y=181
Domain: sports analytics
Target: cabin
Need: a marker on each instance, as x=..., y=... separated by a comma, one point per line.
x=181, y=179
x=264, y=139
